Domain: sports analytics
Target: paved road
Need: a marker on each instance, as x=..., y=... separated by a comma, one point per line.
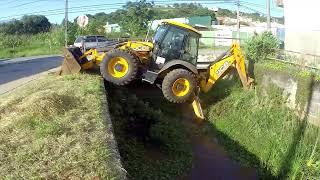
x=15, y=72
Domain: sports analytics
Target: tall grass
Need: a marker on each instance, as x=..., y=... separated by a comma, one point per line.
x=28, y=45
x=260, y=131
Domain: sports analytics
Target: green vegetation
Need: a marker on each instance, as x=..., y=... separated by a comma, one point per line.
x=28, y=45
x=31, y=24
x=259, y=131
x=152, y=142
x=54, y=128
x=134, y=17
x=260, y=46
x=32, y=35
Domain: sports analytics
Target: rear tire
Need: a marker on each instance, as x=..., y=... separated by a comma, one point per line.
x=119, y=67
x=179, y=85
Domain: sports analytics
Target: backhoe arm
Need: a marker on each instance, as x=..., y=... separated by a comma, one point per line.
x=233, y=58
x=218, y=69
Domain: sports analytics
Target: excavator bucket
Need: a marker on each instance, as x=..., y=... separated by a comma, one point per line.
x=70, y=64
x=197, y=108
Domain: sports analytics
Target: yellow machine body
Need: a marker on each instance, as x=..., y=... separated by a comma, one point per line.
x=143, y=51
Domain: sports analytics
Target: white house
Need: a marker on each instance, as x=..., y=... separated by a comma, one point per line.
x=302, y=26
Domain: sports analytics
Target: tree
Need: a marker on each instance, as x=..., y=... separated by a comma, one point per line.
x=34, y=24
x=12, y=27
x=226, y=13
x=27, y=25
x=135, y=17
x=182, y=10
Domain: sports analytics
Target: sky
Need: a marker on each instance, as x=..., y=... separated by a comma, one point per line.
x=54, y=9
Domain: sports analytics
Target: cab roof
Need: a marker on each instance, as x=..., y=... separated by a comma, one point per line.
x=179, y=24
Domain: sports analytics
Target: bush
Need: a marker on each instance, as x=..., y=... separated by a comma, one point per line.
x=260, y=46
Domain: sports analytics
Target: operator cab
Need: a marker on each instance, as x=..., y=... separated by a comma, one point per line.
x=175, y=41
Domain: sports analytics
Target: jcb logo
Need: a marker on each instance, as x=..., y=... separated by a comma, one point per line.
x=223, y=68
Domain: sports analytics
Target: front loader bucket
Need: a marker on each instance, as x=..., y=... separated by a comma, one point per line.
x=70, y=64
x=74, y=61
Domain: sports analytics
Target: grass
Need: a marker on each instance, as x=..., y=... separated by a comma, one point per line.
x=53, y=128
x=33, y=50
x=47, y=43
x=152, y=142
x=293, y=70
x=260, y=131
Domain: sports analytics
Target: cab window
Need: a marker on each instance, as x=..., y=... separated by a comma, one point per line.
x=172, y=44
x=159, y=33
x=190, y=52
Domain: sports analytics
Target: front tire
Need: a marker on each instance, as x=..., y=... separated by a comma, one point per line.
x=179, y=85
x=119, y=67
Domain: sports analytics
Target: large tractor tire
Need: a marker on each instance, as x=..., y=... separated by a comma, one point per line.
x=119, y=67
x=179, y=85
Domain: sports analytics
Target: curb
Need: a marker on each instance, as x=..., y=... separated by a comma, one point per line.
x=111, y=140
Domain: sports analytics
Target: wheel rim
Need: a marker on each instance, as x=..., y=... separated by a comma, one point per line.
x=181, y=87
x=118, y=67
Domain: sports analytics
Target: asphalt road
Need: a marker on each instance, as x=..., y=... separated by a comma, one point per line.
x=15, y=72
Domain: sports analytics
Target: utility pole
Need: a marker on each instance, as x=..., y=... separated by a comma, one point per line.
x=268, y=16
x=238, y=21
x=66, y=24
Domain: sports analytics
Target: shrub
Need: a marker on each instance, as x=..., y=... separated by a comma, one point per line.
x=260, y=46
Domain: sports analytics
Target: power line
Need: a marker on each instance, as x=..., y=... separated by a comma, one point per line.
x=32, y=2
x=252, y=4
x=254, y=10
x=105, y=5
x=260, y=6
x=10, y=2
x=59, y=9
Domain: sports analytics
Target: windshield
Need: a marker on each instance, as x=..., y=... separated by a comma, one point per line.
x=159, y=33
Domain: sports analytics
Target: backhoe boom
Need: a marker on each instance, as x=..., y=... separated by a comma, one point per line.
x=233, y=58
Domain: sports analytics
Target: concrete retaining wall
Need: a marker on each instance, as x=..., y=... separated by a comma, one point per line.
x=290, y=86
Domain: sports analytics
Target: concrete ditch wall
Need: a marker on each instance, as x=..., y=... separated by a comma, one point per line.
x=290, y=86
x=111, y=140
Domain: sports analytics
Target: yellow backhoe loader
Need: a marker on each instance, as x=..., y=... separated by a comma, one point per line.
x=170, y=61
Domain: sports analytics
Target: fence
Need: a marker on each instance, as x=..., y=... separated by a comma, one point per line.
x=296, y=58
